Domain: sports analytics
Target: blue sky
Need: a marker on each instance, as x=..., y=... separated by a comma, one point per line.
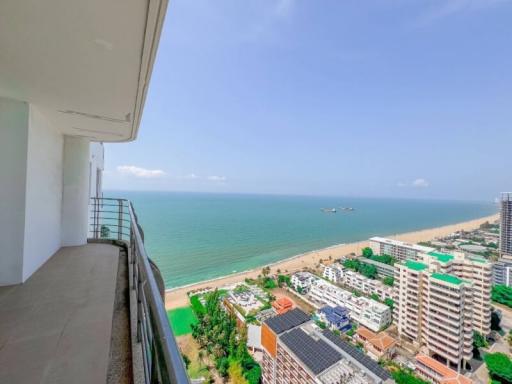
x=378, y=98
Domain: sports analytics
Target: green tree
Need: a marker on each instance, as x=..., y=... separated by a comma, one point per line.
x=283, y=279
x=405, y=376
x=389, y=302
x=502, y=294
x=375, y=297
x=388, y=280
x=479, y=341
x=499, y=366
x=495, y=321
x=367, y=252
x=186, y=360
x=236, y=373
x=104, y=232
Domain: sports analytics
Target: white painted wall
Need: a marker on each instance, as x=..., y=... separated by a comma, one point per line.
x=46, y=180
x=43, y=193
x=14, y=117
x=75, y=191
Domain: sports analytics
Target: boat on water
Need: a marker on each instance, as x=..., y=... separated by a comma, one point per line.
x=328, y=210
x=347, y=208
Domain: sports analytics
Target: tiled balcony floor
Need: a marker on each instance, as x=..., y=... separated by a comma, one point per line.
x=56, y=327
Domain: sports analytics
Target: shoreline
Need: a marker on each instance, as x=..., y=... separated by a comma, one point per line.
x=177, y=297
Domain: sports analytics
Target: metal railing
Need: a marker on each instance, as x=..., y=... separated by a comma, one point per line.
x=115, y=219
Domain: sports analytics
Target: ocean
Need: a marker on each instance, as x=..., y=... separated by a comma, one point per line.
x=199, y=236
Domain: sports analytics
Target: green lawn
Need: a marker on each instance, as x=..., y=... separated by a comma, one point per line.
x=181, y=320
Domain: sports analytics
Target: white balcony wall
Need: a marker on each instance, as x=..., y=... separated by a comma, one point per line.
x=45, y=184
x=14, y=117
x=75, y=191
x=43, y=193
x=31, y=190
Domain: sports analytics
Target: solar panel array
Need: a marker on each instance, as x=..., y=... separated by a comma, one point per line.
x=317, y=355
x=356, y=354
x=289, y=320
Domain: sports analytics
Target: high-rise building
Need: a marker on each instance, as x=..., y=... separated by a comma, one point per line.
x=296, y=351
x=506, y=225
x=502, y=272
x=441, y=300
x=398, y=249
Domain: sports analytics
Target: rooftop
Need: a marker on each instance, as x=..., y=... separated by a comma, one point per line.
x=287, y=321
x=380, y=340
x=357, y=356
x=447, y=278
x=442, y=257
x=315, y=353
x=447, y=375
x=399, y=243
x=415, y=265
x=478, y=259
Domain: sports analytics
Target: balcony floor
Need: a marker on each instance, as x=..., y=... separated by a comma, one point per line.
x=56, y=327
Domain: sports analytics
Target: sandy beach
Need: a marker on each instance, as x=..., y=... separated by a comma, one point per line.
x=177, y=297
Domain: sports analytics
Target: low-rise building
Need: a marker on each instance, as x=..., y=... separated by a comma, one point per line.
x=282, y=305
x=301, y=281
x=438, y=373
x=333, y=272
x=368, y=312
x=400, y=250
x=336, y=318
x=297, y=351
x=377, y=345
x=383, y=269
x=343, y=276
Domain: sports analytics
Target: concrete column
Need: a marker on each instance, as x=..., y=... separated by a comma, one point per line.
x=14, y=124
x=75, y=191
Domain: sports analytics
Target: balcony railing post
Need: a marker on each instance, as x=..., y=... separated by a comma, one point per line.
x=120, y=220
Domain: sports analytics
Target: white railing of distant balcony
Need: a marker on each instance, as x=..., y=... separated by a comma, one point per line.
x=115, y=220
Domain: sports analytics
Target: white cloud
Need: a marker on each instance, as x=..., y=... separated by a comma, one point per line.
x=219, y=179
x=140, y=172
x=418, y=183
x=191, y=176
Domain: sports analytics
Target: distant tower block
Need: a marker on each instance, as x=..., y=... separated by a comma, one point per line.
x=506, y=226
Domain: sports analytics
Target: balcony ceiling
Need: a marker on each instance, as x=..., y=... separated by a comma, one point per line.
x=85, y=64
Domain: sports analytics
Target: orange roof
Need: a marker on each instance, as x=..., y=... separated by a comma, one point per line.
x=282, y=305
x=365, y=333
x=448, y=376
x=382, y=341
x=284, y=302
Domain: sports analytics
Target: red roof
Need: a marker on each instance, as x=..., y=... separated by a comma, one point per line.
x=448, y=376
x=282, y=305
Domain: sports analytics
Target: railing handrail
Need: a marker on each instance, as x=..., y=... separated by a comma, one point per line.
x=162, y=358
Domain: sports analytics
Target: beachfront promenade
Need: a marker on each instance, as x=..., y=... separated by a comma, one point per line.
x=177, y=297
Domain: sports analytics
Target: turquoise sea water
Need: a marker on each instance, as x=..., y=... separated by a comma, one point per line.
x=196, y=236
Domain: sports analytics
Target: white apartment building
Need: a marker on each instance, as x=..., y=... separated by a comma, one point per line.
x=340, y=275
x=398, y=249
x=370, y=313
x=474, y=269
x=441, y=300
x=302, y=281
x=333, y=272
